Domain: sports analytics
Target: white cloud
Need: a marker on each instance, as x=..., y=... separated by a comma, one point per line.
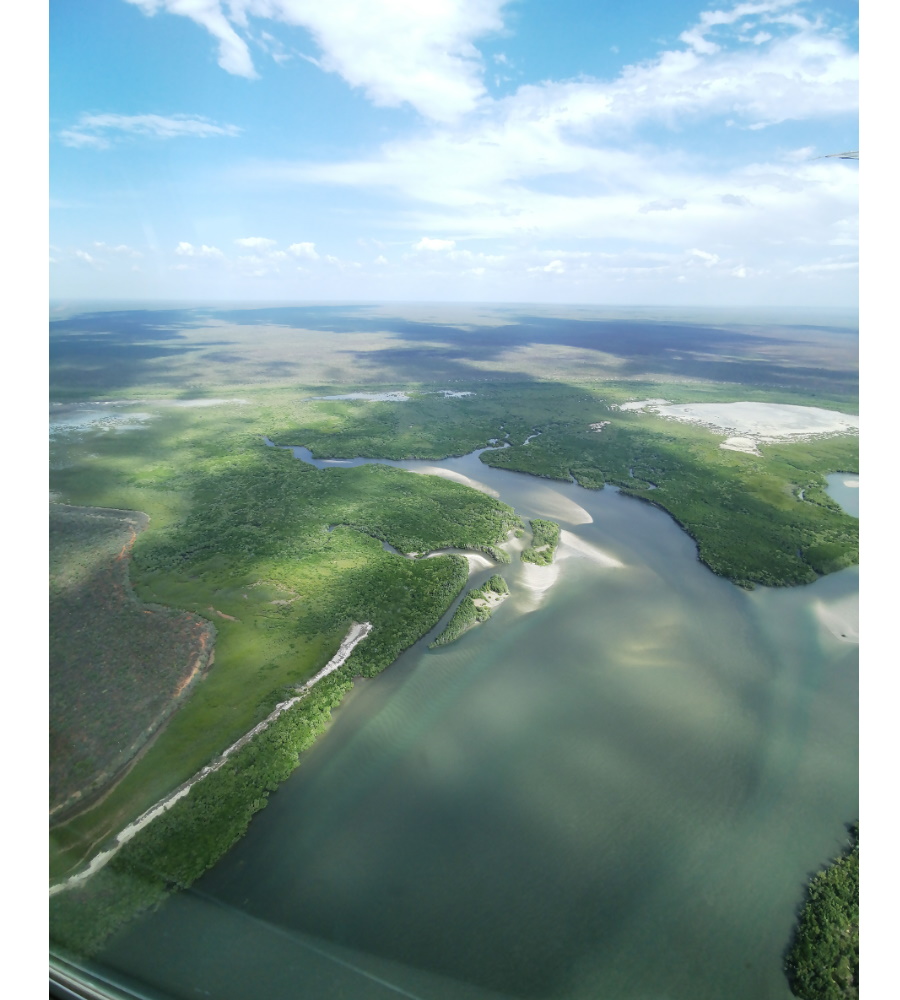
x=426, y=243
x=304, y=250
x=86, y=257
x=234, y=57
x=97, y=130
x=499, y=172
x=696, y=38
x=255, y=242
x=189, y=250
x=827, y=266
x=122, y=249
x=709, y=259
x=666, y=205
x=396, y=50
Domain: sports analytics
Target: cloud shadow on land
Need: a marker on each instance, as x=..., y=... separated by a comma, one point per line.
x=715, y=353
x=103, y=351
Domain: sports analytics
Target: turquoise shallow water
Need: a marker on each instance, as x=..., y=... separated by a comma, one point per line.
x=616, y=788
x=844, y=487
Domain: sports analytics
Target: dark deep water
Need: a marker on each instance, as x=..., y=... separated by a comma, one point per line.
x=616, y=788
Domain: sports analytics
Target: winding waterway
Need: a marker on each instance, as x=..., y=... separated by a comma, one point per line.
x=615, y=789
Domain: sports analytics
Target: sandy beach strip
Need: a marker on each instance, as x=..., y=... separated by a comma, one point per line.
x=357, y=633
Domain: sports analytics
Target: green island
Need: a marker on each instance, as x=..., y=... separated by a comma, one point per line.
x=476, y=607
x=823, y=960
x=545, y=538
x=251, y=566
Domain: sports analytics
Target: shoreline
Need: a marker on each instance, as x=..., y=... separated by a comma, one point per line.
x=357, y=632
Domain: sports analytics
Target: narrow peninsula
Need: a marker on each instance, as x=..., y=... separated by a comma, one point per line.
x=476, y=607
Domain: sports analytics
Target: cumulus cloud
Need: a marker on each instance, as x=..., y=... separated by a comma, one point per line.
x=559, y=159
x=98, y=131
x=122, y=249
x=307, y=250
x=427, y=243
x=709, y=259
x=189, y=250
x=255, y=242
x=422, y=54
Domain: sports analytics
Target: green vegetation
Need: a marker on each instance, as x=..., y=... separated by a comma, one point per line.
x=254, y=549
x=281, y=557
x=175, y=850
x=823, y=961
x=118, y=668
x=476, y=607
x=545, y=538
x=240, y=535
x=743, y=511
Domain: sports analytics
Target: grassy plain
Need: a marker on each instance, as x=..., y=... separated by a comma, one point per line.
x=282, y=557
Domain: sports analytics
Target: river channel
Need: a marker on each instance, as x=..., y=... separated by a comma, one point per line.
x=615, y=789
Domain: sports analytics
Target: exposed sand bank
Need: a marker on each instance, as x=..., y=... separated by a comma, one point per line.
x=457, y=477
x=840, y=618
x=748, y=424
x=570, y=545
x=537, y=580
x=555, y=507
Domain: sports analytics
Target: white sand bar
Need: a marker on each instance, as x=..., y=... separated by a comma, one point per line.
x=744, y=444
x=372, y=397
x=457, y=477
x=840, y=618
x=748, y=424
x=356, y=634
x=767, y=421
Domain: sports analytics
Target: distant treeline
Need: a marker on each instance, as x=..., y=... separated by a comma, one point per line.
x=823, y=961
x=469, y=613
x=544, y=542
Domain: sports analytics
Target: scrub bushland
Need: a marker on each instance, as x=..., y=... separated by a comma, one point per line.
x=118, y=668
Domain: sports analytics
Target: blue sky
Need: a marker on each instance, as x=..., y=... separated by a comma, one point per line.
x=454, y=150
